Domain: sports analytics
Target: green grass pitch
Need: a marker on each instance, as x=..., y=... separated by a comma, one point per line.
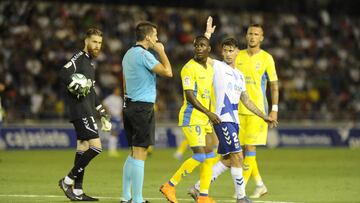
x=291, y=175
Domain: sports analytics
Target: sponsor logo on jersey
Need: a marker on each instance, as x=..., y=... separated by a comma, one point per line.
x=237, y=88
x=74, y=58
x=206, y=94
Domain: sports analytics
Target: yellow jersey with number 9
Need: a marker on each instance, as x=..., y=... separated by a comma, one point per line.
x=198, y=79
x=257, y=69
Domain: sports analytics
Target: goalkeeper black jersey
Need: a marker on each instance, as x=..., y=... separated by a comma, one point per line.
x=81, y=107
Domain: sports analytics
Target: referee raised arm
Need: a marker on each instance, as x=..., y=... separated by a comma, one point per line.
x=140, y=68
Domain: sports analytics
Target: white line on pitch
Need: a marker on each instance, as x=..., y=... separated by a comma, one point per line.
x=118, y=198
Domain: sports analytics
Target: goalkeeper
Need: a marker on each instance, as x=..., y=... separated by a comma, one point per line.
x=83, y=104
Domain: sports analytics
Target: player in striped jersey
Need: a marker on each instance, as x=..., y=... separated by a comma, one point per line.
x=258, y=67
x=229, y=89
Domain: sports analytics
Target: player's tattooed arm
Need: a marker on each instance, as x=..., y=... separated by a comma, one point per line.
x=245, y=99
x=251, y=106
x=274, y=87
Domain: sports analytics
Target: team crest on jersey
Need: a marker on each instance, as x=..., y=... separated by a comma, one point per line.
x=187, y=81
x=230, y=86
x=68, y=64
x=257, y=65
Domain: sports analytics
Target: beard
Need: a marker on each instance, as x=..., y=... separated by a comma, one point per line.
x=93, y=52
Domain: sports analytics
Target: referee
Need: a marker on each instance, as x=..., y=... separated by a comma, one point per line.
x=140, y=68
x=83, y=104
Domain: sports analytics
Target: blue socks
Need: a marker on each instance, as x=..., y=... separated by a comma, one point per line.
x=137, y=180
x=133, y=177
x=126, y=182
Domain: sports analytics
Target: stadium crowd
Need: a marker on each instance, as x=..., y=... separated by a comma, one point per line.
x=317, y=55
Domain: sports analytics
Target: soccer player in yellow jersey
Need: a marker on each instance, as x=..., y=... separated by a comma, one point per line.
x=194, y=118
x=258, y=68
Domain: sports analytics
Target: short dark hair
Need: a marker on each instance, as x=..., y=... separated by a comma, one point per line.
x=256, y=25
x=144, y=28
x=93, y=31
x=230, y=42
x=200, y=37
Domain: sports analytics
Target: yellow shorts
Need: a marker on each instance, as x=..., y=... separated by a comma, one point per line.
x=253, y=130
x=195, y=134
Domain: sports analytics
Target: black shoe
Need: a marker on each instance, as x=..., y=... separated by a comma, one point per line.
x=67, y=190
x=84, y=197
x=244, y=200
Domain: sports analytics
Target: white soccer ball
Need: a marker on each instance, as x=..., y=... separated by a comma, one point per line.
x=79, y=79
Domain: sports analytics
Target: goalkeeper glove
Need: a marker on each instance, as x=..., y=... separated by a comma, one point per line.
x=105, y=118
x=78, y=90
x=105, y=125
x=87, y=89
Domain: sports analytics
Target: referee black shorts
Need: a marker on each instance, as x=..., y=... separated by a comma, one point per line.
x=86, y=128
x=139, y=123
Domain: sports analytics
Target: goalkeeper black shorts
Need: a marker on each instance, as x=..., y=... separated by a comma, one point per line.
x=86, y=128
x=139, y=123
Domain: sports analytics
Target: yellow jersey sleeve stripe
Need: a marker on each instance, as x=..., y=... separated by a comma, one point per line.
x=264, y=79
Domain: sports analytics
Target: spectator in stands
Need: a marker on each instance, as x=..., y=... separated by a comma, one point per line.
x=318, y=65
